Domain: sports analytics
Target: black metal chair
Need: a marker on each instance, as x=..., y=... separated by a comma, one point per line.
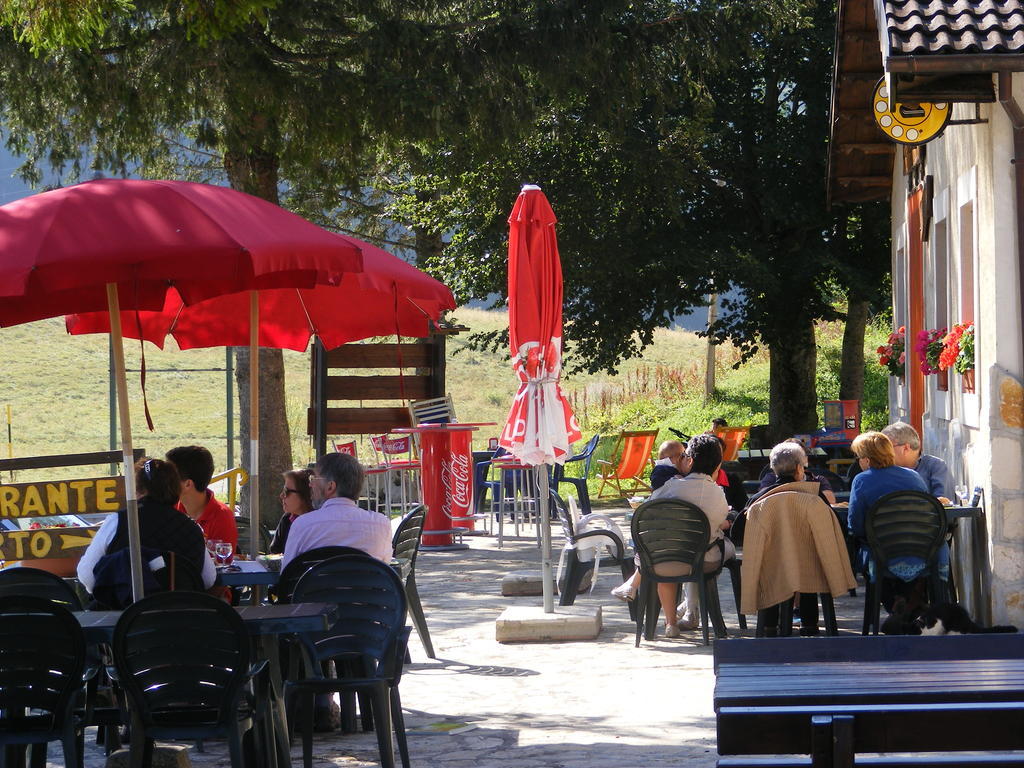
x=406, y=543
x=42, y=658
x=368, y=640
x=671, y=537
x=296, y=568
x=576, y=570
x=580, y=483
x=183, y=661
x=899, y=525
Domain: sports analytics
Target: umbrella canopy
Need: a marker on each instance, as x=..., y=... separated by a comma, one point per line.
x=540, y=428
x=60, y=249
x=388, y=297
x=110, y=243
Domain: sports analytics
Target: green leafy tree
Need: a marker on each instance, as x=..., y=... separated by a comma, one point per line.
x=309, y=97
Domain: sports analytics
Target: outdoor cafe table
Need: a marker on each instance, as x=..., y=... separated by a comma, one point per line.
x=247, y=573
x=265, y=623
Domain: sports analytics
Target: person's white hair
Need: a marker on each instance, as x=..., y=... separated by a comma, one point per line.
x=901, y=433
x=786, y=457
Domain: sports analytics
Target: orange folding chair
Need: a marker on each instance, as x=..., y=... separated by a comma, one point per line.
x=734, y=438
x=634, y=455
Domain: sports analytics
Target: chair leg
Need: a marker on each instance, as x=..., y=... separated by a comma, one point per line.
x=412, y=597
x=870, y=597
x=382, y=716
x=828, y=611
x=398, y=720
x=737, y=589
x=786, y=617
x=702, y=591
x=653, y=612
x=640, y=610
x=235, y=748
x=715, y=608
x=307, y=729
x=876, y=607
x=574, y=573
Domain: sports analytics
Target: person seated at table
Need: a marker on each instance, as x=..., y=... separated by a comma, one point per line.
x=336, y=519
x=295, y=501
x=671, y=460
x=717, y=424
x=769, y=477
x=105, y=569
x=217, y=519
x=880, y=475
x=934, y=471
x=788, y=462
x=705, y=455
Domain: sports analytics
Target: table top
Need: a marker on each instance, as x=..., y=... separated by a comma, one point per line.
x=259, y=619
x=243, y=573
x=875, y=682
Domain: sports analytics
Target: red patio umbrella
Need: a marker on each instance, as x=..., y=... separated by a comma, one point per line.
x=540, y=428
x=110, y=243
x=388, y=297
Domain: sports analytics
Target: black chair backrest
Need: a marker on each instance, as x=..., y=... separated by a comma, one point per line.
x=406, y=540
x=905, y=524
x=42, y=655
x=182, y=658
x=670, y=531
x=297, y=567
x=838, y=483
x=371, y=608
x=562, y=510
x=33, y=582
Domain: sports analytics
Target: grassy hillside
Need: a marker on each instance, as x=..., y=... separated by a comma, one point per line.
x=57, y=387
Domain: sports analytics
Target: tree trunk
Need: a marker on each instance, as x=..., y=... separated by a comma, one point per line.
x=792, y=387
x=256, y=172
x=851, y=370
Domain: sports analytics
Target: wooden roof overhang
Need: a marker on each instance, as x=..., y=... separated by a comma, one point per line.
x=860, y=157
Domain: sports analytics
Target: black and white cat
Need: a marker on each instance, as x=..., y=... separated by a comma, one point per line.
x=939, y=619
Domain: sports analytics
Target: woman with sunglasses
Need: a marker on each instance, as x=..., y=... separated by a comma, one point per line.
x=295, y=500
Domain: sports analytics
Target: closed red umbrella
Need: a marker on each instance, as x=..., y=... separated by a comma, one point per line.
x=115, y=243
x=540, y=427
x=387, y=297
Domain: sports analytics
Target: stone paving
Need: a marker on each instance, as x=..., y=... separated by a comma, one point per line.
x=587, y=704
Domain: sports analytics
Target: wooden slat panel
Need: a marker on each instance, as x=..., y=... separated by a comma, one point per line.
x=380, y=356
x=45, y=542
x=62, y=497
x=67, y=460
x=377, y=387
x=360, y=421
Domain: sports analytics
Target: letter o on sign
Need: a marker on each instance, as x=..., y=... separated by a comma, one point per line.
x=39, y=544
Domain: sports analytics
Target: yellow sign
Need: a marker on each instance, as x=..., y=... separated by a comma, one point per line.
x=63, y=497
x=45, y=542
x=907, y=123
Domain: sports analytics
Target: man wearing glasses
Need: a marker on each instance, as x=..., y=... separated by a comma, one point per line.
x=934, y=471
x=336, y=520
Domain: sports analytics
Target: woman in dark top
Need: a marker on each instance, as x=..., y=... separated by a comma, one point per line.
x=163, y=530
x=295, y=500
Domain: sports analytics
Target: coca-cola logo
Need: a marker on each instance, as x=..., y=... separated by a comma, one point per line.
x=457, y=485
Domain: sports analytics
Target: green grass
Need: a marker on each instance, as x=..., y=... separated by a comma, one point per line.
x=57, y=387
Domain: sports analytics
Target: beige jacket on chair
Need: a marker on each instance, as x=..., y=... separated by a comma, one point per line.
x=792, y=543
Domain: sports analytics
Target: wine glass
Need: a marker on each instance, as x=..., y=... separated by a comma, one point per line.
x=211, y=546
x=962, y=493
x=223, y=550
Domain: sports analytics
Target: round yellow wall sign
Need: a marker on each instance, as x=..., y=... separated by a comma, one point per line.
x=908, y=123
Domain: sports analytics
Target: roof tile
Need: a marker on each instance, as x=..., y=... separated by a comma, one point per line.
x=954, y=26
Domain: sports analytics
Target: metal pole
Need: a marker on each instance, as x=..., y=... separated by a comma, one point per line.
x=112, y=398
x=254, y=421
x=545, y=541
x=709, y=369
x=229, y=378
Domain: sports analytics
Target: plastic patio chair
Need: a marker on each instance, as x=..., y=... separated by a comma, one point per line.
x=42, y=658
x=580, y=482
x=192, y=689
x=297, y=567
x=671, y=537
x=596, y=546
x=406, y=543
x=633, y=451
x=903, y=524
x=395, y=455
x=734, y=438
x=368, y=640
x=434, y=410
x=33, y=582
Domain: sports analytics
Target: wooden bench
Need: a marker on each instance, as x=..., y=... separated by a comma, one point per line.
x=825, y=701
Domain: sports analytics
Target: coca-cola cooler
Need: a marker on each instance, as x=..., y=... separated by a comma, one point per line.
x=446, y=456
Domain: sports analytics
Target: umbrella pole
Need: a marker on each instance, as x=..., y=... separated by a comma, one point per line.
x=128, y=455
x=254, y=424
x=545, y=540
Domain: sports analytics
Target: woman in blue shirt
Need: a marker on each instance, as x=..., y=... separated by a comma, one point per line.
x=880, y=476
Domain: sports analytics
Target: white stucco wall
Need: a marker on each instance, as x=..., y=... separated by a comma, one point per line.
x=978, y=435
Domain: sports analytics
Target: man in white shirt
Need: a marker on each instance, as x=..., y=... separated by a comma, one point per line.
x=336, y=520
